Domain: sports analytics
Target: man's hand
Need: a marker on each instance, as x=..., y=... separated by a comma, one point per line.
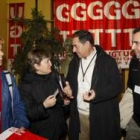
x=67, y=90
x=88, y=96
x=66, y=101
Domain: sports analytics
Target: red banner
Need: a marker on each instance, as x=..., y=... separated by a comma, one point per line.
x=110, y=22
x=16, y=12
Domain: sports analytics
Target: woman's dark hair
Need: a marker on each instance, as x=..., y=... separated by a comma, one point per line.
x=35, y=56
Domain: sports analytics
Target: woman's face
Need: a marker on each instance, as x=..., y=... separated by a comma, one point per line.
x=1, y=54
x=44, y=67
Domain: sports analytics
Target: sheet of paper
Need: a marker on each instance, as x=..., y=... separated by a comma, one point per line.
x=7, y=133
x=56, y=92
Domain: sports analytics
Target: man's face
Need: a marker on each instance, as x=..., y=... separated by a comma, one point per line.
x=79, y=48
x=136, y=44
x=1, y=54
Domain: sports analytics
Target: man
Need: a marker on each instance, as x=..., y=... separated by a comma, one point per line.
x=10, y=115
x=95, y=81
x=133, y=129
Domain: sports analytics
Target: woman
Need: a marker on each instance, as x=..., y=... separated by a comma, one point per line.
x=42, y=93
x=12, y=110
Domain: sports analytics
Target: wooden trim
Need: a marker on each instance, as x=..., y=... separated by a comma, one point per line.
x=52, y=13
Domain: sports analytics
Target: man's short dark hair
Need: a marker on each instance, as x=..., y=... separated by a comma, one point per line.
x=136, y=30
x=84, y=36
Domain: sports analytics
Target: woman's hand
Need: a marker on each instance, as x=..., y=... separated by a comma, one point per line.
x=18, y=131
x=49, y=101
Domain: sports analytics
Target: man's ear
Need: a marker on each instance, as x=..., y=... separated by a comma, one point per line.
x=87, y=43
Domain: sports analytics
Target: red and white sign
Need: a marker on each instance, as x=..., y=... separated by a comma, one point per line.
x=111, y=22
x=16, y=11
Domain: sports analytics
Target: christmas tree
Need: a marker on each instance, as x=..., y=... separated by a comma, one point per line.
x=36, y=34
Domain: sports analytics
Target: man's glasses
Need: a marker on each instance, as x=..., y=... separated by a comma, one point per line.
x=136, y=42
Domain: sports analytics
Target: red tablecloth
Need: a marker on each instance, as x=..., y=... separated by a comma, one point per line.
x=26, y=136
